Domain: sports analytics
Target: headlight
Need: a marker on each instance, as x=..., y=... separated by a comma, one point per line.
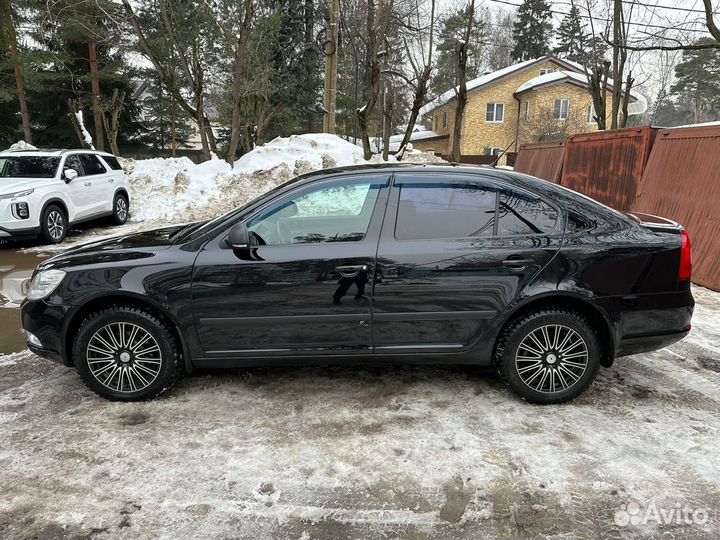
x=44, y=283
x=17, y=194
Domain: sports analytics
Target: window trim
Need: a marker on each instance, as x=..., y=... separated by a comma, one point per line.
x=495, y=107
x=591, y=115
x=497, y=185
x=567, y=110
x=527, y=110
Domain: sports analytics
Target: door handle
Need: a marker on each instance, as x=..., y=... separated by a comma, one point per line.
x=351, y=270
x=88, y=184
x=111, y=180
x=517, y=263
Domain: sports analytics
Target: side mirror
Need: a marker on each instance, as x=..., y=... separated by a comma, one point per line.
x=70, y=175
x=239, y=237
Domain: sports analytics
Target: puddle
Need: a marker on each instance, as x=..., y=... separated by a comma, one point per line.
x=16, y=268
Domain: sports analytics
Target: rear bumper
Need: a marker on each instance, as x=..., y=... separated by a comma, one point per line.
x=649, y=322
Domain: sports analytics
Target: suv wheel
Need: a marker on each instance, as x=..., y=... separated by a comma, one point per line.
x=53, y=225
x=124, y=353
x=121, y=209
x=549, y=356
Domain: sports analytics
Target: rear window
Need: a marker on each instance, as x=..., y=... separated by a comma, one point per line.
x=113, y=162
x=519, y=213
x=28, y=166
x=91, y=164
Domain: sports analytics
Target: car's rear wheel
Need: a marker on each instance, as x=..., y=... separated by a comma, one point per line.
x=549, y=356
x=121, y=209
x=53, y=224
x=126, y=353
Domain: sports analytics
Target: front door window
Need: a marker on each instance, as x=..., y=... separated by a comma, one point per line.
x=333, y=213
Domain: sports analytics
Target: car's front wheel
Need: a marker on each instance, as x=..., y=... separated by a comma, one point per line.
x=549, y=356
x=126, y=353
x=121, y=209
x=53, y=224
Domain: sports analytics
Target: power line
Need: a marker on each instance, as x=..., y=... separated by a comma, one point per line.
x=603, y=19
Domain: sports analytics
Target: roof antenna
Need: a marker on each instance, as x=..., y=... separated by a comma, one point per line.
x=501, y=154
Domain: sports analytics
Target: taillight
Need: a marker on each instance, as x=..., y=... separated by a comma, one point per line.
x=685, y=257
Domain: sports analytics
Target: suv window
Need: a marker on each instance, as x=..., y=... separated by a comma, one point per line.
x=445, y=210
x=524, y=214
x=332, y=213
x=113, y=162
x=73, y=162
x=91, y=164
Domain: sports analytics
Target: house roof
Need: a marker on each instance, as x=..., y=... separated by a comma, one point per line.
x=637, y=105
x=573, y=71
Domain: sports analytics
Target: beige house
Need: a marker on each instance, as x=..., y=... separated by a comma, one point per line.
x=541, y=99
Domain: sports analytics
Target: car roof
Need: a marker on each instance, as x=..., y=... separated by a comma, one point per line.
x=45, y=152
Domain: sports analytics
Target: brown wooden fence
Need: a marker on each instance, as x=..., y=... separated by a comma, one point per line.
x=682, y=182
x=674, y=173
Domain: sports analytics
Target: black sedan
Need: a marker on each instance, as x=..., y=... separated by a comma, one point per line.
x=414, y=264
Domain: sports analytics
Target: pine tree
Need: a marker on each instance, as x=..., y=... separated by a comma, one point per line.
x=697, y=81
x=532, y=30
x=572, y=37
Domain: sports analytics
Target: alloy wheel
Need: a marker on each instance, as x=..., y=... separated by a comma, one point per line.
x=124, y=357
x=56, y=224
x=121, y=209
x=552, y=358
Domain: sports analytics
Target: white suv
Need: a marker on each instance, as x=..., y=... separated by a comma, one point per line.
x=43, y=192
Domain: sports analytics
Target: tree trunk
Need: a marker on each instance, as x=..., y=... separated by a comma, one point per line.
x=20, y=83
x=626, y=100
x=74, y=111
x=387, y=119
x=173, y=123
x=95, y=95
x=462, y=90
x=420, y=89
x=238, y=79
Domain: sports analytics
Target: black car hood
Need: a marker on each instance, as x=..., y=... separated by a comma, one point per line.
x=117, y=248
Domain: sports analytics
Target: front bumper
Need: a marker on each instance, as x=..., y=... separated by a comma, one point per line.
x=46, y=321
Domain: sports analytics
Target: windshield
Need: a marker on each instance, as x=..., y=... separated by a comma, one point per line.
x=28, y=166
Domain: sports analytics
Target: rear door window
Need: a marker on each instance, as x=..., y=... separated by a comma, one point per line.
x=429, y=211
x=92, y=164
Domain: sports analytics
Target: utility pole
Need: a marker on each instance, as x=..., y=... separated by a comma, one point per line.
x=331, y=68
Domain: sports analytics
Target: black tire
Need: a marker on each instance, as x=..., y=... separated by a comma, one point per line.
x=121, y=209
x=53, y=224
x=126, y=362
x=552, y=383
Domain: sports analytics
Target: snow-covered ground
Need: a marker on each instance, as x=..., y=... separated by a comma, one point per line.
x=371, y=452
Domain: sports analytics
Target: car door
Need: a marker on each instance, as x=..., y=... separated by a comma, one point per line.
x=303, y=288
x=77, y=189
x=97, y=181
x=455, y=250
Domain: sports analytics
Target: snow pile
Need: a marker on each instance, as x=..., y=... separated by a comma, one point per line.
x=21, y=145
x=175, y=190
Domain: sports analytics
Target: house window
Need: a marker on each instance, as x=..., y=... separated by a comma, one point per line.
x=495, y=112
x=527, y=111
x=546, y=71
x=591, y=114
x=492, y=151
x=562, y=108
x=445, y=119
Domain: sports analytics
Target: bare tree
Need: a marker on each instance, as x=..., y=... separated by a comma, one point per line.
x=111, y=110
x=544, y=126
x=7, y=26
x=461, y=48
x=422, y=70
x=377, y=25
x=95, y=94
x=192, y=70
